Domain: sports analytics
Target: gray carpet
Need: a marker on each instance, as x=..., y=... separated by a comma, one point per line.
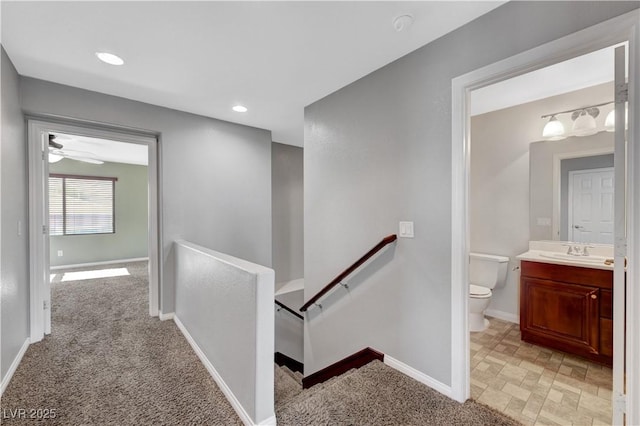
x=107, y=362
x=375, y=395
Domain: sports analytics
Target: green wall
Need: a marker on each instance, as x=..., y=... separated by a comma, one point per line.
x=130, y=238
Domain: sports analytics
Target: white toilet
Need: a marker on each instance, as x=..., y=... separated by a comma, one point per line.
x=486, y=271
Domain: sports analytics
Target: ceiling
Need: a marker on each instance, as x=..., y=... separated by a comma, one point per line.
x=205, y=57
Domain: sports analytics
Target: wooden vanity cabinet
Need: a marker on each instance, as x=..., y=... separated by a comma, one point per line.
x=568, y=308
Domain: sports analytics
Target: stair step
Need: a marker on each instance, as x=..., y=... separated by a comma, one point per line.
x=310, y=392
x=286, y=387
x=294, y=374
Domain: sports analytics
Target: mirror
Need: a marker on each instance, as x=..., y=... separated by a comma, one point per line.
x=562, y=189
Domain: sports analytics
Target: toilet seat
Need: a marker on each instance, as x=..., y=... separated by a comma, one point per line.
x=479, y=292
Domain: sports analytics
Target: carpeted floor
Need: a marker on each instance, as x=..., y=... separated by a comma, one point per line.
x=375, y=395
x=107, y=362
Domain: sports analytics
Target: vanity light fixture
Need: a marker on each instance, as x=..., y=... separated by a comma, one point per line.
x=110, y=58
x=240, y=108
x=553, y=130
x=584, y=122
x=610, y=121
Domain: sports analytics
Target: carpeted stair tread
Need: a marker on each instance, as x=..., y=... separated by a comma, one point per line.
x=309, y=392
x=286, y=387
x=294, y=374
x=376, y=394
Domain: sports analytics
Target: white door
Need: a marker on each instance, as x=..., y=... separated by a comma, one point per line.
x=591, y=201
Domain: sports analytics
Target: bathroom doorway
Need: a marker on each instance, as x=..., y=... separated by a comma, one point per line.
x=588, y=41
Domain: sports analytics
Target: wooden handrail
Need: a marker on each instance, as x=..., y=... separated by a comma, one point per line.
x=288, y=309
x=385, y=241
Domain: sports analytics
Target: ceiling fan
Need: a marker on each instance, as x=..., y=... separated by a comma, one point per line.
x=57, y=153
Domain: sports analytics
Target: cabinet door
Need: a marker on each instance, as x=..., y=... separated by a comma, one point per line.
x=560, y=315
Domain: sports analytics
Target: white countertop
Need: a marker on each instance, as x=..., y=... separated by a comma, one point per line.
x=555, y=252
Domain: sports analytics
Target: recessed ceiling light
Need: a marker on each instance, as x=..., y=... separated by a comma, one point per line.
x=239, y=108
x=110, y=58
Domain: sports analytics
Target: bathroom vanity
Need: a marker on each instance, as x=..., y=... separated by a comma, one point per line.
x=566, y=304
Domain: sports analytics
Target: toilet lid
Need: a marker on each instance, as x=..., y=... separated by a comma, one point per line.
x=476, y=290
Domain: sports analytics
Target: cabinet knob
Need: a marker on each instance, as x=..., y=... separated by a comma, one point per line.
x=593, y=296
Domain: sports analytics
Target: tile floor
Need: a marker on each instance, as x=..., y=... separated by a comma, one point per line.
x=536, y=385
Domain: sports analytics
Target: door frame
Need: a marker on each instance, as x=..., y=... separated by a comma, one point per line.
x=570, y=194
x=624, y=28
x=38, y=129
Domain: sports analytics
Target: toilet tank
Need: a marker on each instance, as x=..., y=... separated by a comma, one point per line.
x=488, y=270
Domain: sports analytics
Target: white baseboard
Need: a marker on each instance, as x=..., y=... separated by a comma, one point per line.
x=504, y=316
x=419, y=376
x=106, y=262
x=271, y=421
x=14, y=366
x=164, y=317
x=244, y=416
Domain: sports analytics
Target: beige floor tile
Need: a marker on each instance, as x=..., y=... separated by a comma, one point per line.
x=562, y=386
x=516, y=391
x=476, y=391
x=482, y=366
x=513, y=372
x=553, y=419
x=537, y=385
x=495, y=398
x=478, y=383
x=531, y=366
x=582, y=385
x=596, y=403
x=568, y=414
x=555, y=395
x=519, y=417
x=605, y=393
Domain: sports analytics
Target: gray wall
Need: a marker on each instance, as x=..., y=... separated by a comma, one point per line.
x=500, y=214
x=569, y=165
x=215, y=175
x=287, y=202
x=379, y=151
x=226, y=306
x=131, y=216
x=14, y=251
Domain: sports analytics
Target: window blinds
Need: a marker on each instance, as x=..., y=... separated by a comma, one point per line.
x=80, y=205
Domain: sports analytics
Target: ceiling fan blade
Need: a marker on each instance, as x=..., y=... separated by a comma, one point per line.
x=85, y=157
x=54, y=144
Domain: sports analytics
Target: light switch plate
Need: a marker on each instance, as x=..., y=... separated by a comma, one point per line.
x=405, y=230
x=544, y=221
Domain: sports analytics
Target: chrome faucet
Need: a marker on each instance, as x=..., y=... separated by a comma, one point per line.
x=577, y=250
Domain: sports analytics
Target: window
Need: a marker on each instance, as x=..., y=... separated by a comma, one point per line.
x=81, y=205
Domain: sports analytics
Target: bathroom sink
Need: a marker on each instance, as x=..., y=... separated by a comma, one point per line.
x=572, y=258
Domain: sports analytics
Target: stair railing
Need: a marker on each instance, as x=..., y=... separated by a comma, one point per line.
x=288, y=309
x=338, y=280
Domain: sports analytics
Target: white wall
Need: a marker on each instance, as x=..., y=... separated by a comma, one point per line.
x=225, y=305
x=287, y=202
x=14, y=253
x=215, y=175
x=379, y=151
x=500, y=190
